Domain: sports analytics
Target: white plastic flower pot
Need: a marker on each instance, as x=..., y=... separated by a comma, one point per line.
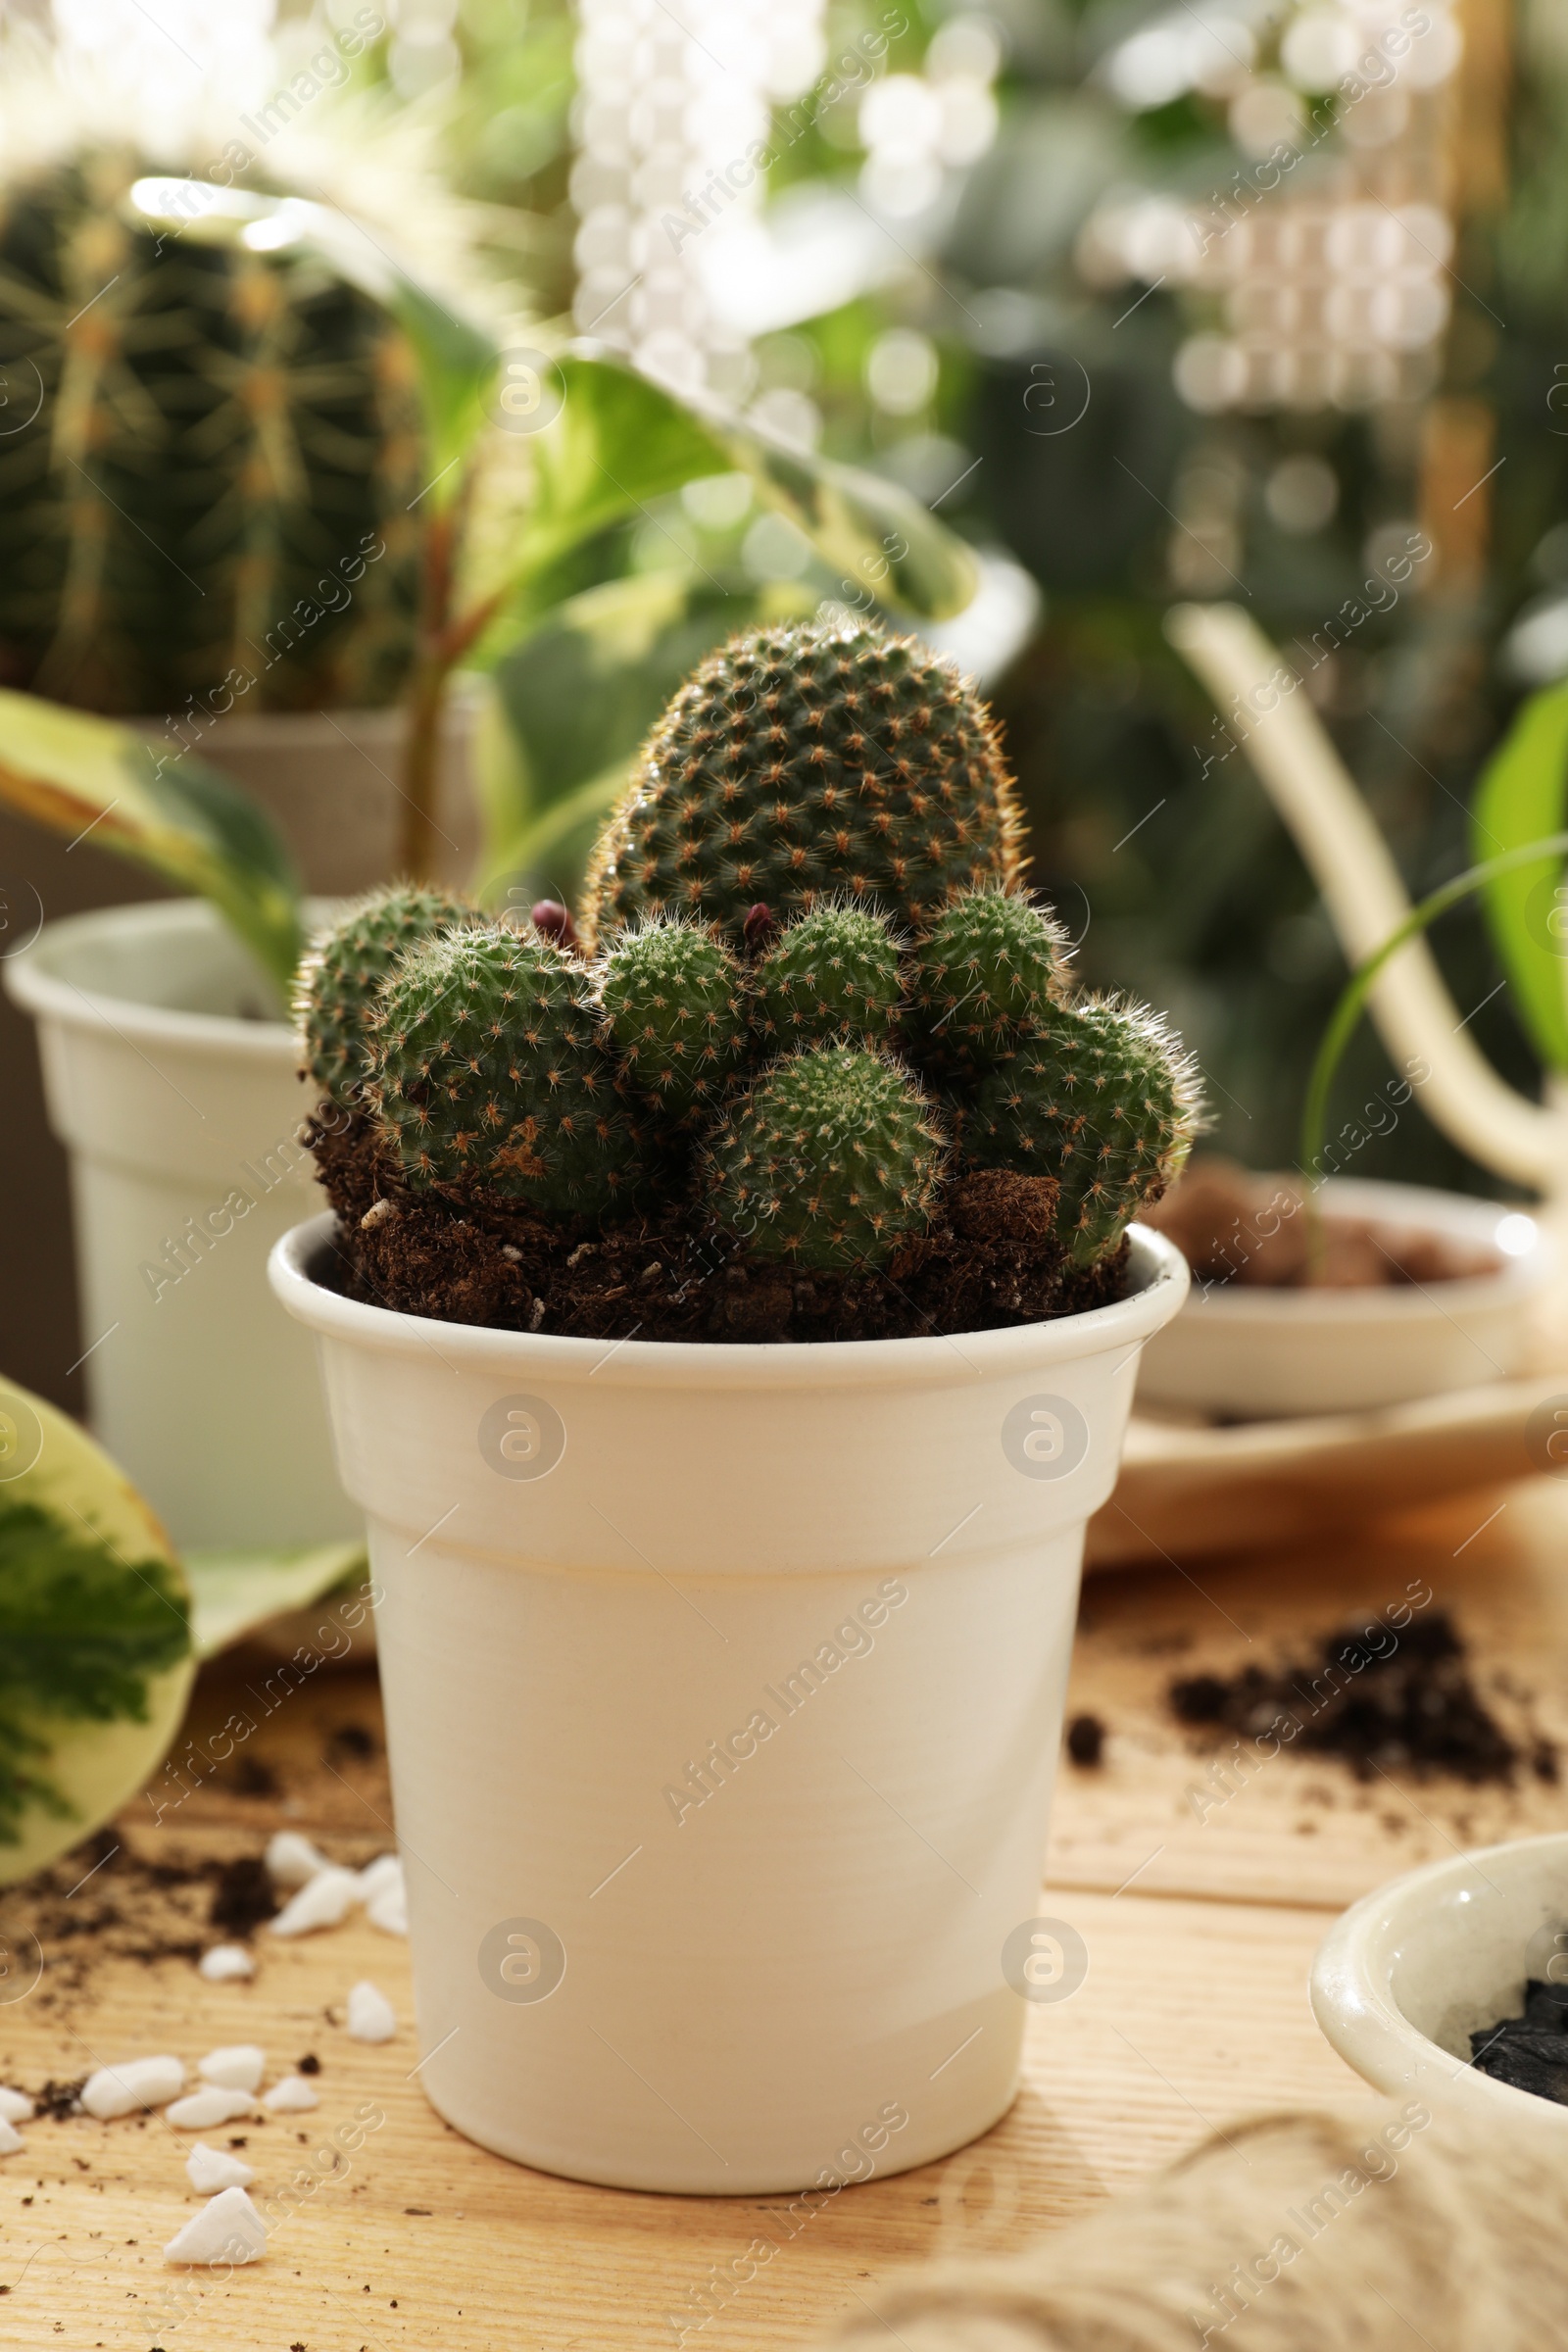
x=179, y=1103
x=724, y=1690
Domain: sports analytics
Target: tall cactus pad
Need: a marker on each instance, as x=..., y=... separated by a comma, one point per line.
x=1101, y=1098
x=992, y=963
x=826, y=1162
x=488, y=1072
x=338, y=979
x=805, y=763
x=211, y=506
x=673, y=995
x=833, y=975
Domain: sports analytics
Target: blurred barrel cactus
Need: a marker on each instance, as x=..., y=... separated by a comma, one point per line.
x=206, y=456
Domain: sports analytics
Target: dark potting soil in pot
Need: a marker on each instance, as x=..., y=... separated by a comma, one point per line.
x=1529, y=2052
x=1410, y=1706
x=990, y=1261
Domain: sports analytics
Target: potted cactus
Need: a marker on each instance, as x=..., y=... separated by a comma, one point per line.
x=730, y=1321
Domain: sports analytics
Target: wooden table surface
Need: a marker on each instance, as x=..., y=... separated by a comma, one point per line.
x=1201, y=1919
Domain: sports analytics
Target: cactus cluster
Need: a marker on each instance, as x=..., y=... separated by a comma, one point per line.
x=213, y=490
x=812, y=1069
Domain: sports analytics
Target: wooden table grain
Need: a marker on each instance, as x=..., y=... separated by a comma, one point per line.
x=1200, y=1898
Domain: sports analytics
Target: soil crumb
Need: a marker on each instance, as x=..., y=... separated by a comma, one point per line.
x=1234, y=1226
x=992, y=1261
x=1529, y=2052
x=243, y=1897
x=1410, y=1706
x=1086, y=1742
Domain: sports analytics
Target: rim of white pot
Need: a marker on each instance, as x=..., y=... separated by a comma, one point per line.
x=1157, y=1270
x=1353, y=1978
x=34, y=981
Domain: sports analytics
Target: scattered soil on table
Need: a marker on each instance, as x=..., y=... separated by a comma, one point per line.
x=104, y=1901
x=1529, y=2052
x=1086, y=1742
x=1409, y=1706
x=243, y=1896
x=992, y=1260
x=1233, y=1226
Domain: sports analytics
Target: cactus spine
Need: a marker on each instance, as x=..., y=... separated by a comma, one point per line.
x=807, y=763
x=989, y=966
x=834, y=974
x=1100, y=1096
x=826, y=1161
x=673, y=995
x=488, y=1070
x=215, y=486
x=341, y=975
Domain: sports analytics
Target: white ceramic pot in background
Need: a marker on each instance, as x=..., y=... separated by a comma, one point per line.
x=834, y=1583
x=179, y=1103
x=1253, y=1354
x=332, y=783
x=1415, y=1968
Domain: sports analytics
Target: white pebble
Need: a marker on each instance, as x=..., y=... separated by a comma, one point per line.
x=389, y=1909
x=371, y=2016
x=140, y=2082
x=292, y=2096
x=225, y=1963
x=292, y=1860
x=15, y=2107
x=385, y=1870
x=208, y=2168
x=228, y=2230
x=322, y=1903
x=210, y=2105
x=11, y=2139
x=238, y=2066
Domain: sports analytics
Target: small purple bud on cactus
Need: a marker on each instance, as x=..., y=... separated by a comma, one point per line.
x=758, y=928
x=554, y=922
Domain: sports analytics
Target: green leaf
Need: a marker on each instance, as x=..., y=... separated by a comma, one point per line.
x=95, y=1649
x=575, y=699
x=616, y=442
x=1543, y=855
x=1523, y=794
x=233, y=1593
x=620, y=441
x=457, y=363
x=182, y=818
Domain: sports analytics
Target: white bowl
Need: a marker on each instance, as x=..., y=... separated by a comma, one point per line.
x=1413, y=1970
x=1253, y=1354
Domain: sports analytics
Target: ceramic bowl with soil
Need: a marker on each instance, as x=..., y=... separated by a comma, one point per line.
x=734, y=1292
x=1450, y=1984
x=1416, y=1293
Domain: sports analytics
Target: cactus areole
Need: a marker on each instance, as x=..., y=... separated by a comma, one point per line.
x=808, y=1063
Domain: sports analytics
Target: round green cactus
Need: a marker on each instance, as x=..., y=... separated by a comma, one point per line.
x=1101, y=1097
x=213, y=501
x=488, y=1070
x=810, y=761
x=826, y=1161
x=338, y=980
x=989, y=966
x=834, y=974
x=674, y=997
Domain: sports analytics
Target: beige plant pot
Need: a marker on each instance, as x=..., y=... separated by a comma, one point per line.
x=725, y=1689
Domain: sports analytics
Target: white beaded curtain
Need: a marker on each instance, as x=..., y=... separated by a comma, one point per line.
x=1324, y=261
x=673, y=113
